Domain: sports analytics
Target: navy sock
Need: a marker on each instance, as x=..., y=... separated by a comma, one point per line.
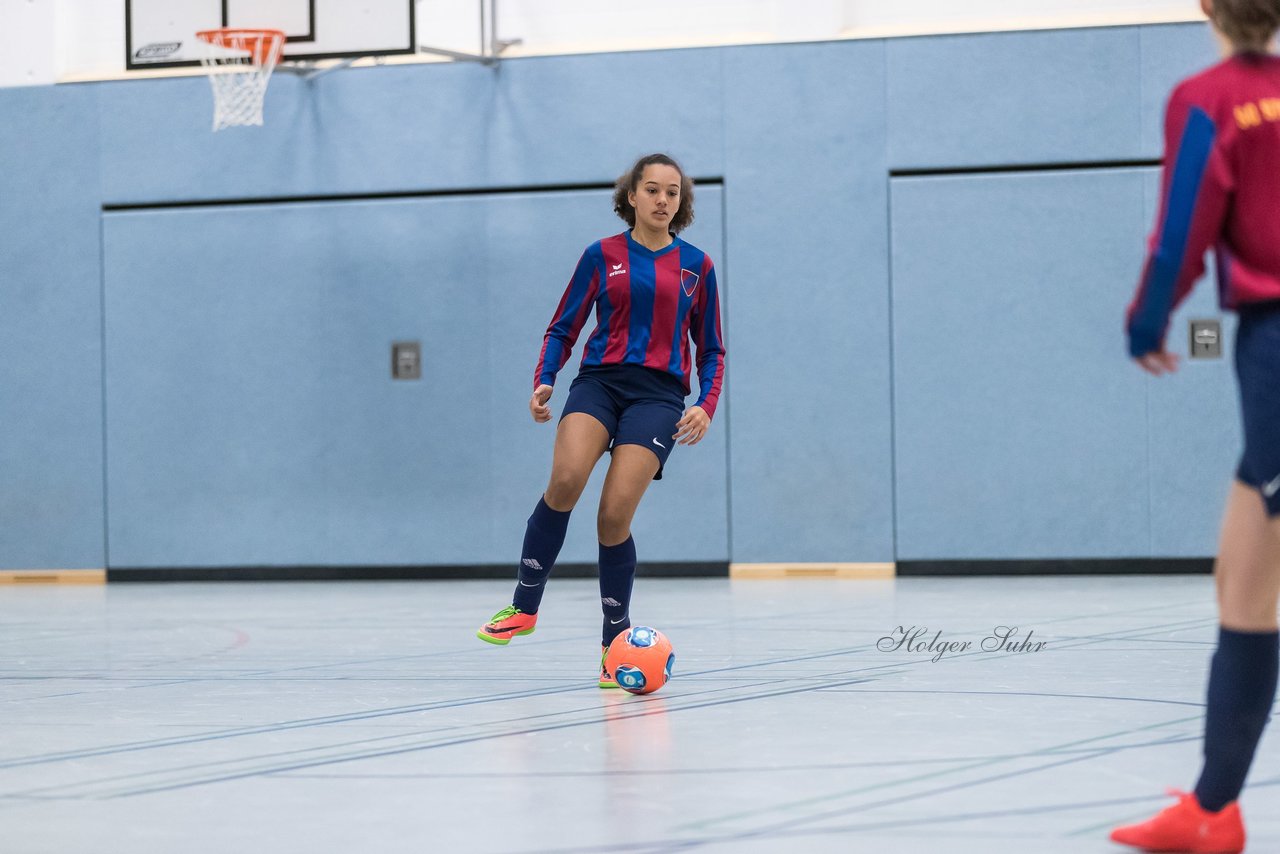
x=617, y=572
x=543, y=537
x=1242, y=687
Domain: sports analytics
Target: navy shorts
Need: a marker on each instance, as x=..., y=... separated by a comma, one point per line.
x=1258, y=369
x=637, y=405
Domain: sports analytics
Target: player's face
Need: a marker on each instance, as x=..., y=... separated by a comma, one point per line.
x=656, y=197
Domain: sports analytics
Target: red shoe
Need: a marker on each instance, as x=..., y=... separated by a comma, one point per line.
x=1187, y=827
x=506, y=624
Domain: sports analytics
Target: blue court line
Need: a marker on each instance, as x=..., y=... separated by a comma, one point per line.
x=417, y=748
x=593, y=710
x=1162, y=797
x=130, y=747
x=394, y=711
x=490, y=698
x=1055, y=750
x=1118, y=698
x=773, y=831
x=434, y=745
x=693, y=772
x=659, y=847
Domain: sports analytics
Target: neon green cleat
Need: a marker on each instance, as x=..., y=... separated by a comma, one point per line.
x=606, y=678
x=506, y=624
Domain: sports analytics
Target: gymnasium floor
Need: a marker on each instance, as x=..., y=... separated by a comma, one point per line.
x=366, y=717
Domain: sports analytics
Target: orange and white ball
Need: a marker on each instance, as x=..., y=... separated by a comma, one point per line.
x=640, y=660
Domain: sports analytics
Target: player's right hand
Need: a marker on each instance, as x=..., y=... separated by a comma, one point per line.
x=538, y=404
x=1158, y=362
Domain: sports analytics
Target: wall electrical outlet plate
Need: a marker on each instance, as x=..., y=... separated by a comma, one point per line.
x=1206, y=339
x=406, y=360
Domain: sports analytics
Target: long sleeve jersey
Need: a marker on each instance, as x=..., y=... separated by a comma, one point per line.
x=1220, y=188
x=648, y=305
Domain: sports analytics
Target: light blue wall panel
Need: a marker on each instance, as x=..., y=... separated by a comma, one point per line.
x=1021, y=425
x=356, y=131
x=251, y=416
x=252, y=419
x=241, y=409
x=535, y=241
x=427, y=127
x=51, y=512
x=808, y=341
x=1037, y=97
x=586, y=118
x=1169, y=53
x=1194, y=422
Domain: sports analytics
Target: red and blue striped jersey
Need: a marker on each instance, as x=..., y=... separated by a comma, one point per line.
x=1221, y=188
x=648, y=306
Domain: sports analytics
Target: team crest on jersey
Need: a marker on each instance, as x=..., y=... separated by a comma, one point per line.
x=688, y=281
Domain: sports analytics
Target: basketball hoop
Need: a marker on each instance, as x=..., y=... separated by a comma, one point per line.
x=240, y=63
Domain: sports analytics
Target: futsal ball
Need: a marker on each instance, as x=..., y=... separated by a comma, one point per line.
x=640, y=660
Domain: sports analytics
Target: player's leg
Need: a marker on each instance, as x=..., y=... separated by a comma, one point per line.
x=1242, y=676
x=1242, y=686
x=641, y=446
x=631, y=471
x=581, y=440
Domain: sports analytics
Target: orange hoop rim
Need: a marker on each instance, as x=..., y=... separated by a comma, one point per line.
x=263, y=44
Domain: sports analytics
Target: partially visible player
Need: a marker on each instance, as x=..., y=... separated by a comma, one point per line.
x=651, y=293
x=1221, y=188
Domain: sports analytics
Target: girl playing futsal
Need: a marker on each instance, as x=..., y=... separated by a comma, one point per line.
x=1221, y=187
x=651, y=292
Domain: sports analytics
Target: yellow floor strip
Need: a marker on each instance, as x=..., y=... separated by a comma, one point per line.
x=812, y=570
x=53, y=576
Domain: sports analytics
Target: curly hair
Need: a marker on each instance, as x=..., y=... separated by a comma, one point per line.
x=628, y=182
x=1247, y=23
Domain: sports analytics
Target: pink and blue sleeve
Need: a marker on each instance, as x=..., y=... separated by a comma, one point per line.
x=571, y=314
x=709, y=340
x=1193, y=204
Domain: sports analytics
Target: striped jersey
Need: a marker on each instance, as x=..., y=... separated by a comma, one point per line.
x=1220, y=188
x=648, y=305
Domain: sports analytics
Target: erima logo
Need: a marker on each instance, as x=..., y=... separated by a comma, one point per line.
x=159, y=50
x=611, y=602
x=617, y=271
x=1271, y=488
x=532, y=564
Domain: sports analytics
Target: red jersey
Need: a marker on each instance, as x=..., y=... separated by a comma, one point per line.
x=1220, y=188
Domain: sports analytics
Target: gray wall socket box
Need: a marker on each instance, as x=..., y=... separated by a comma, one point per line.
x=406, y=360
x=1206, y=339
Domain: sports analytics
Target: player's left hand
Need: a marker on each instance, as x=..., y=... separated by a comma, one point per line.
x=692, y=427
x=1158, y=362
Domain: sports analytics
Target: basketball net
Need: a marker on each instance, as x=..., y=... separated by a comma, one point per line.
x=240, y=63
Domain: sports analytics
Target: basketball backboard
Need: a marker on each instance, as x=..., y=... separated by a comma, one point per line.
x=161, y=33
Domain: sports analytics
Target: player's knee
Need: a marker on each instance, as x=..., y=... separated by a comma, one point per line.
x=612, y=525
x=563, y=491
